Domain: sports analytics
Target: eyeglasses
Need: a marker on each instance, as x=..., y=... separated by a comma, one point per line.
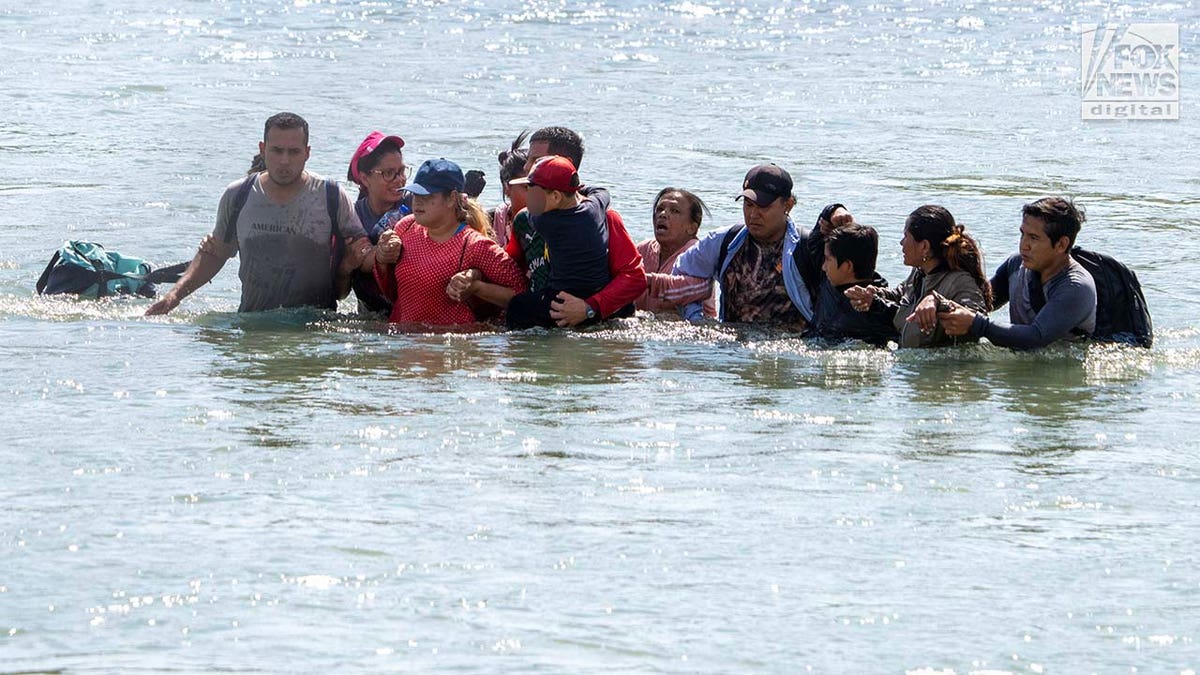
x=391, y=174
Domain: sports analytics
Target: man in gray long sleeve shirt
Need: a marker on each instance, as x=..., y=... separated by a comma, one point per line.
x=1050, y=296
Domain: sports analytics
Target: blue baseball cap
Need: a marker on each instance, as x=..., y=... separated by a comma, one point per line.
x=437, y=175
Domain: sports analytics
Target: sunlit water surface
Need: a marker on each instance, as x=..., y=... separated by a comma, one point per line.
x=296, y=491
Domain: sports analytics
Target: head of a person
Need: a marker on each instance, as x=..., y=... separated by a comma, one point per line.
x=933, y=239
x=284, y=147
x=555, y=141
x=552, y=184
x=377, y=167
x=437, y=190
x=1048, y=230
x=851, y=251
x=677, y=217
x=925, y=233
x=512, y=165
x=766, y=201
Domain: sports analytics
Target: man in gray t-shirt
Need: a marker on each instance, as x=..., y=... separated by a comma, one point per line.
x=285, y=248
x=283, y=232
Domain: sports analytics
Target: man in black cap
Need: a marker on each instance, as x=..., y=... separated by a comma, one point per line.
x=756, y=264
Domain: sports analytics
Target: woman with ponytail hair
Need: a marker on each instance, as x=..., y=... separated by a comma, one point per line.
x=444, y=238
x=947, y=264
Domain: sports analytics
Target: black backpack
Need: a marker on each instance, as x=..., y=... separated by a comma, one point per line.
x=1122, y=314
x=332, y=203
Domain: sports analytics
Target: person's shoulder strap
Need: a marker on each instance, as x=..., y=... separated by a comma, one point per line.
x=239, y=201
x=726, y=241
x=170, y=273
x=332, y=202
x=42, y=280
x=800, y=255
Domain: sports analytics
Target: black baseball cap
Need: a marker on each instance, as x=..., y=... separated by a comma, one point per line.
x=765, y=183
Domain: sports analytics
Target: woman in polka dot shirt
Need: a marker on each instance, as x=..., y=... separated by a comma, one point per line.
x=432, y=246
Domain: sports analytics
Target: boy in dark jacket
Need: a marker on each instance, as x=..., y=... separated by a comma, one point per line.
x=850, y=254
x=572, y=220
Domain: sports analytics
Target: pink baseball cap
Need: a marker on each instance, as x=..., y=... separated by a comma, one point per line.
x=369, y=145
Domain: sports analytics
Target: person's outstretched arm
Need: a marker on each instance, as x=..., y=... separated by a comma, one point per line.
x=203, y=268
x=624, y=266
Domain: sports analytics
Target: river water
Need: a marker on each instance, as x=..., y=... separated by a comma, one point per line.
x=306, y=492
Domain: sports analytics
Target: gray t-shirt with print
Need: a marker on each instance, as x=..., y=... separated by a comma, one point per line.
x=286, y=248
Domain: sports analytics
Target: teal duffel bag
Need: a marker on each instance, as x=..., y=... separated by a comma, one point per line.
x=86, y=269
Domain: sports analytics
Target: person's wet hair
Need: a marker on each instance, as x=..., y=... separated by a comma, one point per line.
x=285, y=120
x=1061, y=216
x=857, y=243
x=949, y=243
x=562, y=141
x=512, y=160
x=696, y=206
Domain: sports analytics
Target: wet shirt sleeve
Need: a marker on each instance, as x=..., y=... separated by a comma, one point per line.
x=225, y=230
x=1069, y=306
x=1000, y=281
x=497, y=268
x=349, y=226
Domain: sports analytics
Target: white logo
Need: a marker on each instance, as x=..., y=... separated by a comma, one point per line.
x=1131, y=76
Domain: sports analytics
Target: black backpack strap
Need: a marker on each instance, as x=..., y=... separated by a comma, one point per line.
x=169, y=273
x=103, y=276
x=1143, y=324
x=41, y=282
x=725, y=243
x=239, y=201
x=332, y=202
x=808, y=274
x=337, y=244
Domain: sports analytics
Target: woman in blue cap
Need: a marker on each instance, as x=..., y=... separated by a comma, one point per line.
x=445, y=235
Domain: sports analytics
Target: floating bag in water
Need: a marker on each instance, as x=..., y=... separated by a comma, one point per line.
x=85, y=269
x=1122, y=314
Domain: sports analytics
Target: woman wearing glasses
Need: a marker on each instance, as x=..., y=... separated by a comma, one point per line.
x=378, y=169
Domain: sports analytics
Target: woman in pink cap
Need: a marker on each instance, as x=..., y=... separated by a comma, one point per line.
x=378, y=169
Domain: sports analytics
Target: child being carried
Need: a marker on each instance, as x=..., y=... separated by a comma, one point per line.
x=572, y=220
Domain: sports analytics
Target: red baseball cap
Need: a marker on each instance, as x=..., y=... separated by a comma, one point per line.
x=551, y=173
x=369, y=145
